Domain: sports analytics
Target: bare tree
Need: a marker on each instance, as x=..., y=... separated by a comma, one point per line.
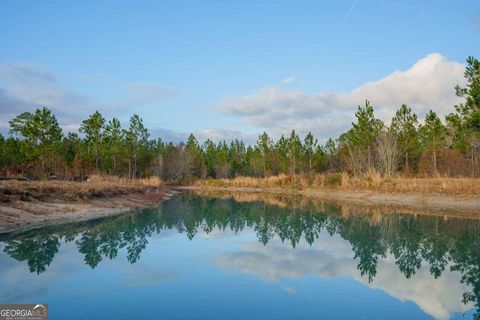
x=388, y=154
x=356, y=162
x=177, y=164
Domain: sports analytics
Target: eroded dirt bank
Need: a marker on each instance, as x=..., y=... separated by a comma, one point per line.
x=25, y=205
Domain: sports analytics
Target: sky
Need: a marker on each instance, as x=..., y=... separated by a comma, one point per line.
x=233, y=69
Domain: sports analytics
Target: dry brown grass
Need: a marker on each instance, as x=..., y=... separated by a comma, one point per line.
x=281, y=180
x=120, y=181
x=371, y=181
x=97, y=187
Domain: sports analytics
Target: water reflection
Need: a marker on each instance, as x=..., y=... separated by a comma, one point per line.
x=400, y=245
x=37, y=251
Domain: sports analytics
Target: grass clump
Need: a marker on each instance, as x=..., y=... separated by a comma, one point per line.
x=332, y=180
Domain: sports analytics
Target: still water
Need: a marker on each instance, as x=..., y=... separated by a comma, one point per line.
x=237, y=257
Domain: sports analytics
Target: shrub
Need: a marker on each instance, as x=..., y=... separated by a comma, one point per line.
x=333, y=180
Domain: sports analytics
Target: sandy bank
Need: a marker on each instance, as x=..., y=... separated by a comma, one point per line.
x=25, y=205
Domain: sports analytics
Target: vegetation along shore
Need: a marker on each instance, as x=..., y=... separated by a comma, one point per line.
x=444, y=196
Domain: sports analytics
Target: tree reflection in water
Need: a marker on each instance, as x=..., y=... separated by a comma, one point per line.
x=412, y=240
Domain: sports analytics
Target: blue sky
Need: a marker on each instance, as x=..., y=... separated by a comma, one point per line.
x=224, y=69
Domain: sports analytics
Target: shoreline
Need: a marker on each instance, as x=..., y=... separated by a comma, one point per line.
x=441, y=204
x=26, y=206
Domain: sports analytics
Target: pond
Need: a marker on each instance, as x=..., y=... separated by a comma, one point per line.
x=248, y=256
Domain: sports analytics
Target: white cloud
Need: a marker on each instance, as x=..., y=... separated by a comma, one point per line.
x=428, y=84
x=214, y=134
x=290, y=290
x=288, y=80
x=219, y=134
x=332, y=257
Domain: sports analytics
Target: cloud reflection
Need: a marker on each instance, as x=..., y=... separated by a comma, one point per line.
x=332, y=256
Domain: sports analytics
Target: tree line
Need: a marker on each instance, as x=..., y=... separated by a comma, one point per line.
x=37, y=147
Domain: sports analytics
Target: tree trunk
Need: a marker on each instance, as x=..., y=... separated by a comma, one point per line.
x=265, y=165
x=434, y=158
x=134, y=173
x=368, y=157
x=472, y=157
x=54, y=163
x=43, y=164
x=96, y=157
x=406, y=163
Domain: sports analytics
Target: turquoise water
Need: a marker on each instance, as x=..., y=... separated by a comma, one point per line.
x=199, y=257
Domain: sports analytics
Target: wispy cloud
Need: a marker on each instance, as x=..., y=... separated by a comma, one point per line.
x=11, y=104
x=288, y=80
x=144, y=94
x=27, y=86
x=214, y=134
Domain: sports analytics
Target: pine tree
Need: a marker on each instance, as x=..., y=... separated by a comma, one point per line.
x=114, y=137
x=193, y=155
x=466, y=122
x=70, y=148
x=264, y=144
x=41, y=130
x=433, y=134
x=237, y=157
x=136, y=136
x=331, y=151
x=294, y=150
x=310, y=144
x=209, y=156
x=365, y=130
x=405, y=127
x=281, y=149
x=93, y=130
